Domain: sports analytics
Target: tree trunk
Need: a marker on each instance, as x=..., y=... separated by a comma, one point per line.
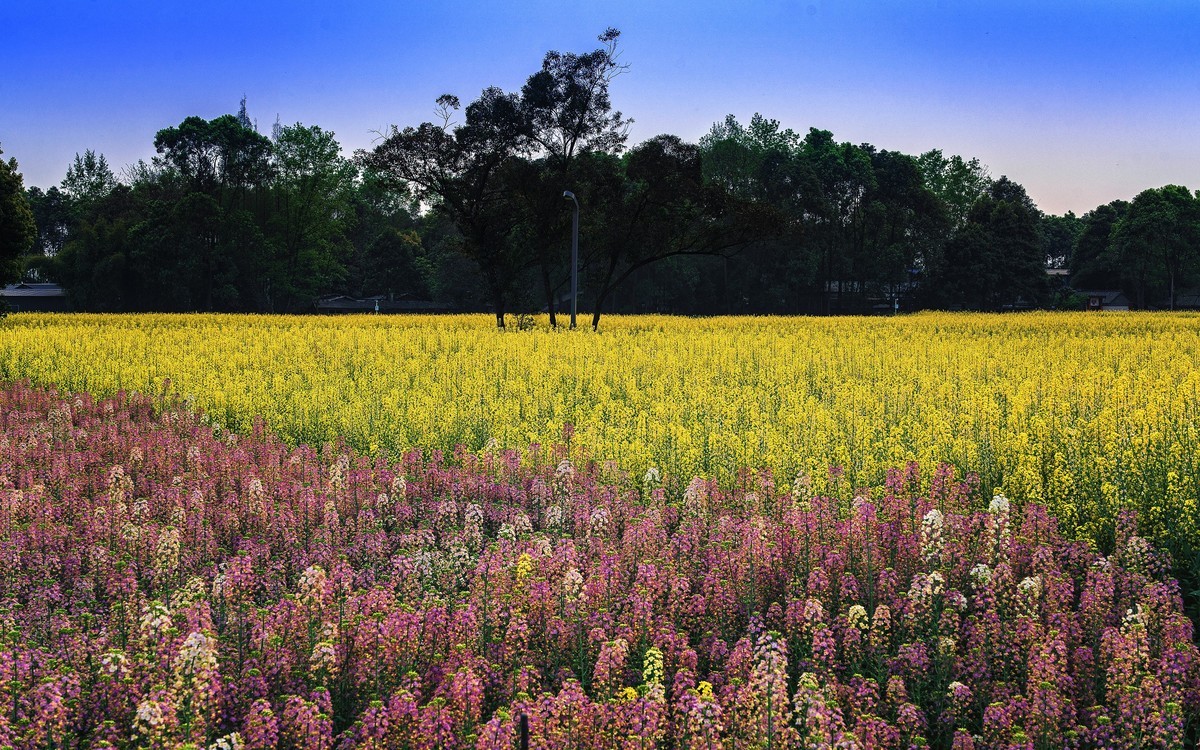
x=596, y=312
x=208, y=276
x=605, y=289
x=497, y=298
x=549, y=290
x=828, y=275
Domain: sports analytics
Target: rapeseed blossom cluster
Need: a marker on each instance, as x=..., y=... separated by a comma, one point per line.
x=1113, y=426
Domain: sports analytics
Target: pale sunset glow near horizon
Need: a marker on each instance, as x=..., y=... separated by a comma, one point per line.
x=1080, y=102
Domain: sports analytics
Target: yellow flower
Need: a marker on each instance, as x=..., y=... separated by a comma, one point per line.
x=652, y=669
x=524, y=566
x=1088, y=414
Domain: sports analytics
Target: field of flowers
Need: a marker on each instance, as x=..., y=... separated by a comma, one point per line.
x=165, y=584
x=1085, y=414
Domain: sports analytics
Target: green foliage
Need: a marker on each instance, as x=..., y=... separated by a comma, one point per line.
x=52, y=213
x=566, y=105
x=311, y=215
x=957, y=182
x=1156, y=243
x=99, y=263
x=995, y=261
x=215, y=154
x=1059, y=235
x=89, y=179
x=469, y=211
x=459, y=171
x=17, y=228
x=1092, y=262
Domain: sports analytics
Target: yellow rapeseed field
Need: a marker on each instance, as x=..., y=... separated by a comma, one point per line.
x=1085, y=412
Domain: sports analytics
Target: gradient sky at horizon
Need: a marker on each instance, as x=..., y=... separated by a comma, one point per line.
x=1081, y=102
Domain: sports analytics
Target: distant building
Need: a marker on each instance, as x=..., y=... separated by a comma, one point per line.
x=380, y=303
x=1105, y=299
x=1185, y=299
x=35, y=297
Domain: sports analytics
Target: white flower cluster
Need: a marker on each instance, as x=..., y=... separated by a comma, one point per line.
x=521, y=525
x=113, y=663
x=554, y=518
x=312, y=586
x=149, y=717
x=802, y=488
x=60, y=420
x=652, y=478
x=473, y=526
x=981, y=574
x=166, y=553
x=858, y=617
x=1000, y=530
x=1031, y=587
x=257, y=494
x=572, y=584
x=1137, y=555
x=695, y=498
x=542, y=546
x=460, y=557
x=324, y=659
x=598, y=522
x=155, y=620
x=116, y=483
x=932, y=540
x=197, y=655
x=473, y=515
x=565, y=471
x=218, y=584
x=189, y=593
x=1029, y=592
x=228, y=742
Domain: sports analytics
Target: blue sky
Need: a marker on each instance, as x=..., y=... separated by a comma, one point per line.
x=1080, y=101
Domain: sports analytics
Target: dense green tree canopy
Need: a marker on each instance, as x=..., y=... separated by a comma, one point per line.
x=1157, y=242
x=996, y=260
x=17, y=228
x=467, y=212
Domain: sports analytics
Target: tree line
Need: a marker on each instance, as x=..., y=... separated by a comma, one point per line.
x=468, y=210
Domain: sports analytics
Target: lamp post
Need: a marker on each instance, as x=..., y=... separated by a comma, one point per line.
x=574, y=256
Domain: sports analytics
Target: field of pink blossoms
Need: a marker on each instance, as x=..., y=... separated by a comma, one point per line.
x=162, y=586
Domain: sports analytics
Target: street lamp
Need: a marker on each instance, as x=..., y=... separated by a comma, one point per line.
x=574, y=256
